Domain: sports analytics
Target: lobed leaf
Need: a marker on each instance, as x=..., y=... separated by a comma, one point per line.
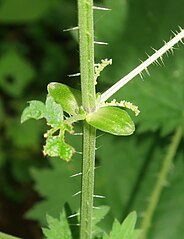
x=35, y=110
x=49, y=183
x=111, y=120
x=58, y=229
x=99, y=213
x=53, y=113
x=126, y=230
x=56, y=147
x=69, y=98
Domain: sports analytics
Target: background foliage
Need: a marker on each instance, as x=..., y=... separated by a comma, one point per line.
x=34, y=51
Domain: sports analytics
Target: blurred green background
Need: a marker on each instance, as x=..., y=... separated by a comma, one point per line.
x=35, y=51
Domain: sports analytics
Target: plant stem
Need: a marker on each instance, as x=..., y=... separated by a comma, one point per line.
x=6, y=236
x=143, y=66
x=167, y=163
x=86, y=47
x=87, y=181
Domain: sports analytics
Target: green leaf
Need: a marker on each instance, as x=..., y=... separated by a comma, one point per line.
x=56, y=147
x=54, y=113
x=99, y=213
x=126, y=230
x=67, y=97
x=55, y=185
x=112, y=120
x=58, y=229
x=35, y=110
x=51, y=111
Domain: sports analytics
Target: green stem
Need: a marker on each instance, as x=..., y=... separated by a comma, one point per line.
x=6, y=236
x=87, y=181
x=86, y=47
x=167, y=163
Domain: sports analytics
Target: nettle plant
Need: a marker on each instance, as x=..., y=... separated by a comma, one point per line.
x=64, y=106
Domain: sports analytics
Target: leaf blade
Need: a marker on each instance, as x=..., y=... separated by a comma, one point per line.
x=35, y=110
x=111, y=120
x=68, y=97
x=126, y=230
x=57, y=229
x=56, y=147
x=54, y=112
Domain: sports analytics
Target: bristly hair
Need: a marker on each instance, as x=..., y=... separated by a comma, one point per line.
x=167, y=48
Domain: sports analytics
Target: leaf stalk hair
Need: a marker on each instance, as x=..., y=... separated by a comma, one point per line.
x=168, y=46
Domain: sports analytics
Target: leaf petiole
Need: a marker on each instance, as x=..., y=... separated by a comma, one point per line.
x=168, y=46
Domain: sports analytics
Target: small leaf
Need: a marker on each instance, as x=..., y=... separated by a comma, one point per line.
x=58, y=229
x=54, y=112
x=35, y=110
x=67, y=97
x=56, y=147
x=111, y=120
x=126, y=230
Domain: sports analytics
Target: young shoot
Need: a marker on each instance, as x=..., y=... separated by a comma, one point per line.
x=64, y=106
